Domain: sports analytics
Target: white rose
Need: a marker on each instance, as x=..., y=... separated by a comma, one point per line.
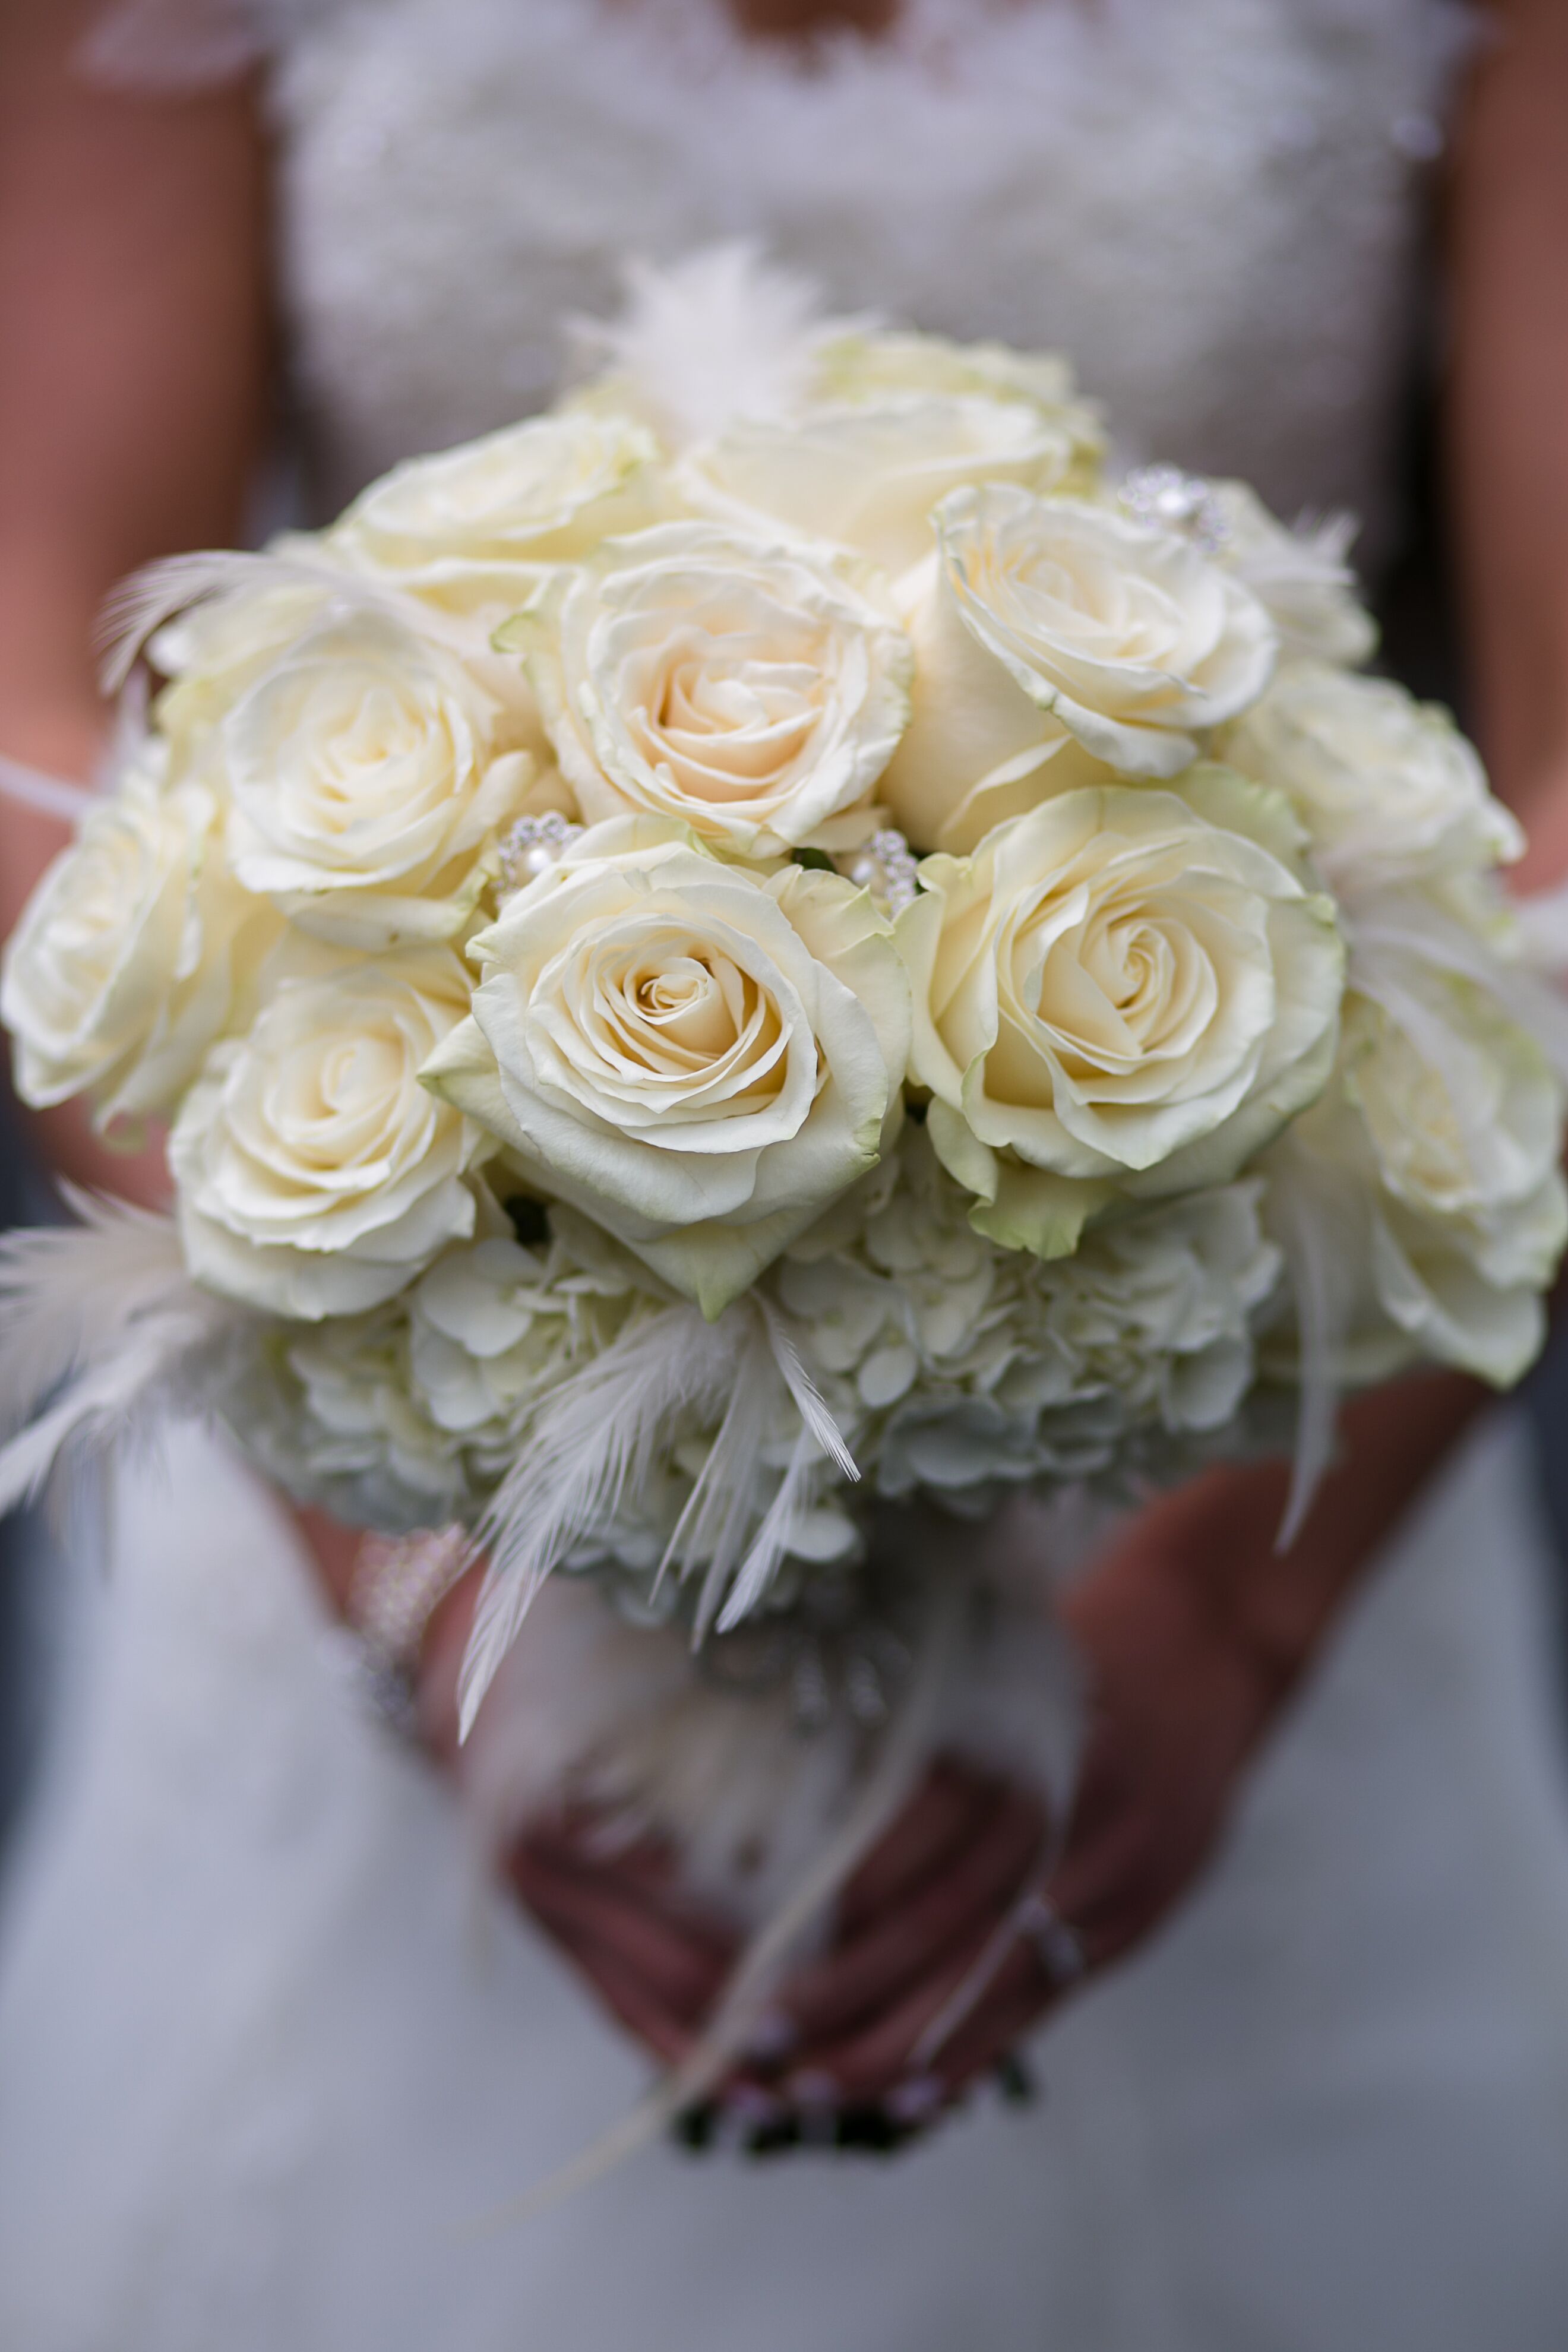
x=744, y=689
x=879, y=366
x=316, y=1175
x=219, y=645
x=1464, y=1111
x=1387, y=787
x=365, y=780
x=698, y=1059
x=126, y=962
x=1482, y=1313
x=1040, y=619
x=1465, y=1120
x=1125, y=992
x=1429, y=1170
x=474, y=524
x=868, y=476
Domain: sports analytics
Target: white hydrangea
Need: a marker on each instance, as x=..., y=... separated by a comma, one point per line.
x=408, y=1415
x=958, y=1363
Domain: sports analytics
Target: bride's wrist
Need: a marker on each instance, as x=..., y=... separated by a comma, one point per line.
x=1278, y=1605
x=338, y=1552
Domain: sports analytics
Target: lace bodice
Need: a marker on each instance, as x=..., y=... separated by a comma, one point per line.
x=1212, y=206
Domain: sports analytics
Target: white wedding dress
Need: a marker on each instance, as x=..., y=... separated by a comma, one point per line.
x=268, y=2043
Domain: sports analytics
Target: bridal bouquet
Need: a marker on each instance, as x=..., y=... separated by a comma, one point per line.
x=778, y=942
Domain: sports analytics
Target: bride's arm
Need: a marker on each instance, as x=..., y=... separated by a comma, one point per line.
x=1509, y=415
x=132, y=391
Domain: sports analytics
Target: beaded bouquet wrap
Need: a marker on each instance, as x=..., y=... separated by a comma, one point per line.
x=776, y=944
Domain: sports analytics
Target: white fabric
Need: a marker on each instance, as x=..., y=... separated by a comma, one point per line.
x=1213, y=205
x=264, y=2044
x=265, y=2047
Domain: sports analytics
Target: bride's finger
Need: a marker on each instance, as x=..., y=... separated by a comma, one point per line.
x=645, y=1868
x=684, y=1968
x=877, y=2057
x=1019, y=1996
x=908, y=1946
x=950, y=1807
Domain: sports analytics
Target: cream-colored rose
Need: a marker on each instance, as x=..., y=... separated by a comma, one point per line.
x=474, y=524
x=699, y=1058
x=1126, y=992
x=747, y=689
x=316, y=1174
x=126, y=964
x=220, y=646
x=365, y=777
x=1041, y=620
x=1465, y=1120
x=881, y=366
x=1387, y=787
x=866, y=476
x=1464, y=1111
x=1427, y=1172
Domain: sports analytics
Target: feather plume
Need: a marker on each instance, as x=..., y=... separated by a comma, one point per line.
x=1314, y=1208
x=721, y=335
x=772, y=1540
x=594, y=1438
x=904, y=1749
x=68, y=1294
x=105, y=1314
x=141, y=604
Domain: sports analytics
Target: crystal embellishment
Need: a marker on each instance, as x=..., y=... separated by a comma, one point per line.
x=533, y=846
x=887, y=867
x=1165, y=498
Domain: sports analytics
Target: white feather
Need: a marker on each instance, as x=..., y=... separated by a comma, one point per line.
x=720, y=335
x=104, y=1313
x=68, y=1294
x=1314, y=1211
x=594, y=1438
x=141, y=605
x=771, y=1542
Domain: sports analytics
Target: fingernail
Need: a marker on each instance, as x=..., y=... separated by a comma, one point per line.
x=911, y=2101
x=774, y=2036
x=752, y=2108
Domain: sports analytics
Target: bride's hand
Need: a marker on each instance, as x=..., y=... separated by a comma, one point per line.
x=1194, y=1632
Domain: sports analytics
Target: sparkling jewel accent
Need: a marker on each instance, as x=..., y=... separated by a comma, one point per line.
x=1165, y=497
x=887, y=867
x=533, y=844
